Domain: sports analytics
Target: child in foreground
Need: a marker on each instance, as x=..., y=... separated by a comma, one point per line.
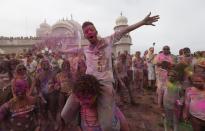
x=87, y=90
x=195, y=103
x=172, y=93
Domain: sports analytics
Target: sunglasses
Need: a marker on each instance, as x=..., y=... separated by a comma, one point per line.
x=21, y=69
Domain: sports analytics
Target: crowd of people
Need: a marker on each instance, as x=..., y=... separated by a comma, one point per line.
x=82, y=89
x=177, y=79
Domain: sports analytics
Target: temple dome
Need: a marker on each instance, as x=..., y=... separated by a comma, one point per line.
x=44, y=30
x=71, y=27
x=121, y=20
x=45, y=25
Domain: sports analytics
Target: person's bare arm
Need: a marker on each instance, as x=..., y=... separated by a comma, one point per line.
x=72, y=50
x=32, y=86
x=148, y=20
x=4, y=110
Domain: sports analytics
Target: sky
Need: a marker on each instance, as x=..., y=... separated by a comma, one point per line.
x=181, y=22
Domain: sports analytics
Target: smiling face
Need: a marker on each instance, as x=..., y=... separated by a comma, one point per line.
x=90, y=33
x=198, y=81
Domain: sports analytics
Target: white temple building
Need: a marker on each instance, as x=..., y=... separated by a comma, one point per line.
x=66, y=32
x=126, y=41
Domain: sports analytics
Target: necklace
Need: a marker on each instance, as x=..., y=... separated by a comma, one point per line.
x=18, y=104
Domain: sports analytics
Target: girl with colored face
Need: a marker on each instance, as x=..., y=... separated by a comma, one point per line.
x=20, y=113
x=20, y=88
x=87, y=89
x=195, y=103
x=198, y=82
x=22, y=74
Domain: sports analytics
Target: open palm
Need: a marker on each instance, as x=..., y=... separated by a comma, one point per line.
x=149, y=20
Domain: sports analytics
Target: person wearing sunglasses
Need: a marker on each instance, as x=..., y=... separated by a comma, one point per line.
x=22, y=74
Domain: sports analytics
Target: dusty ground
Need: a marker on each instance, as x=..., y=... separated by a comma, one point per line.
x=144, y=116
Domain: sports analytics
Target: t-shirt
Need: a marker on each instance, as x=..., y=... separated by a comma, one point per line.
x=171, y=94
x=137, y=63
x=162, y=77
x=121, y=69
x=98, y=60
x=32, y=66
x=162, y=57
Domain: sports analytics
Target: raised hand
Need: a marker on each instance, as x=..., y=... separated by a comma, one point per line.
x=149, y=20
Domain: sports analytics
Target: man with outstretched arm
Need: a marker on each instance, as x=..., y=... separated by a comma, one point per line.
x=98, y=62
